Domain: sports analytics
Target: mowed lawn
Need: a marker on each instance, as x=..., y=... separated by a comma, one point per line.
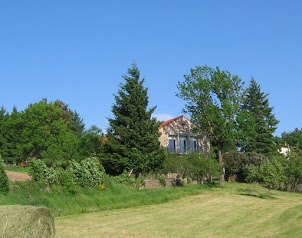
x=227, y=212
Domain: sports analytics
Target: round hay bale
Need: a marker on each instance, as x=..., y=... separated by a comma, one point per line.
x=26, y=222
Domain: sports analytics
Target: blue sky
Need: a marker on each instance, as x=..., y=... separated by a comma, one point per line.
x=77, y=51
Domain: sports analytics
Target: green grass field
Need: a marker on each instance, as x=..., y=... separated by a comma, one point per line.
x=238, y=210
x=17, y=169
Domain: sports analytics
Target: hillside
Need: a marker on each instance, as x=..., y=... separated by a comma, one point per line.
x=239, y=210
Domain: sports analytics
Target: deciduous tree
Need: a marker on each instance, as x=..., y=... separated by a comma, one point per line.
x=47, y=133
x=213, y=98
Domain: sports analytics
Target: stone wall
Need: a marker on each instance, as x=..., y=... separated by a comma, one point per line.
x=152, y=183
x=171, y=180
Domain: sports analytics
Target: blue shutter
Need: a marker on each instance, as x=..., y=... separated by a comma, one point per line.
x=171, y=145
x=183, y=145
x=192, y=145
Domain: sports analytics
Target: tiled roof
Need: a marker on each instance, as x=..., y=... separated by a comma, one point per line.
x=103, y=139
x=165, y=123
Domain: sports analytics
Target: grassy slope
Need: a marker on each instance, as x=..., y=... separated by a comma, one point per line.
x=228, y=212
x=118, y=196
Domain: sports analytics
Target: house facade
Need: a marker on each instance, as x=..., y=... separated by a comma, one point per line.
x=179, y=135
x=285, y=150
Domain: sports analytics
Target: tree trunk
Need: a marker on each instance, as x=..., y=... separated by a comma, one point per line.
x=221, y=167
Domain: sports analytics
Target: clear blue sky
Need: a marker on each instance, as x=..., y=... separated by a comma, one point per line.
x=77, y=51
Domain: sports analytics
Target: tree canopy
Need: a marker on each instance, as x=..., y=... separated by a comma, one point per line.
x=44, y=130
x=293, y=138
x=213, y=98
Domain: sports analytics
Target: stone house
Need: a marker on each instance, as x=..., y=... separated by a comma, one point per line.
x=285, y=150
x=179, y=135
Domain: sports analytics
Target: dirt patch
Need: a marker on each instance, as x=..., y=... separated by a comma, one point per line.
x=17, y=176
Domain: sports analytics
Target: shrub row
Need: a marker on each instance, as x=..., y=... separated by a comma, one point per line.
x=87, y=173
x=193, y=165
x=274, y=172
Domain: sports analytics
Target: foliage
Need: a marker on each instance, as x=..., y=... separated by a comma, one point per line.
x=293, y=138
x=213, y=100
x=133, y=134
x=201, y=168
x=66, y=179
x=87, y=173
x=270, y=173
x=41, y=173
x=237, y=164
x=234, y=162
x=256, y=122
x=192, y=165
x=44, y=127
x=294, y=171
x=3, y=116
x=176, y=163
x=254, y=158
x=254, y=167
x=43, y=130
x=10, y=140
x=92, y=142
x=4, y=185
x=38, y=170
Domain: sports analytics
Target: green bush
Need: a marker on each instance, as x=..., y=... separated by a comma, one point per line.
x=294, y=171
x=65, y=179
x=236, y=164
x=40, y=172
x=88, y=172
x=37, y=170
x=270, y=173
x=192, y=165
x=201, y=168
x=4, y=185
x=51, y=176
x=176, y=163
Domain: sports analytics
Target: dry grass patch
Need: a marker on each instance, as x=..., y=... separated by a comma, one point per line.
x=17, y=176
x=218, y=213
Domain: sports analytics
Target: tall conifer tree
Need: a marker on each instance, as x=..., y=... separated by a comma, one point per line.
x=133, y=134
x=257, y=122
